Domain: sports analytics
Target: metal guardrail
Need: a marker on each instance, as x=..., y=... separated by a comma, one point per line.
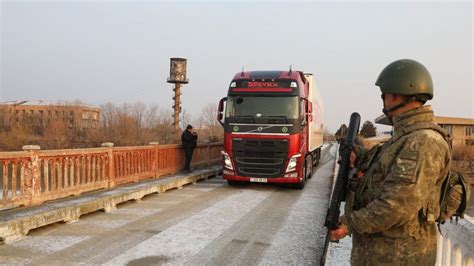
x=32, y=177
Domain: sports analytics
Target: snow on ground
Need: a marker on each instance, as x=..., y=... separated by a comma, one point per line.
x=48, y=244
x=296, y=243
x=339, y=254
x=184, y=240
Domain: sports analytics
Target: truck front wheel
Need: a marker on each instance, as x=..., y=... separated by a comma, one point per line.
x=301, y=184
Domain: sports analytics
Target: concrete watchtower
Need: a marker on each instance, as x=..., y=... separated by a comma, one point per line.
x=178, y=77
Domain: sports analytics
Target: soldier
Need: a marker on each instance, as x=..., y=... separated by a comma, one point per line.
x=397, y=196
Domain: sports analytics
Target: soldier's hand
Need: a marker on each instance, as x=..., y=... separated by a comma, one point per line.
x=352, y=158
x=339, y=233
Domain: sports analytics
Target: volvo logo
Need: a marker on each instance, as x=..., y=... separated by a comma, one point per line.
x=260, y=129
x=236, y=128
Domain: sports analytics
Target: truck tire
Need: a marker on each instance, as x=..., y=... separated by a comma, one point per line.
x=317, y=157
x=301, y=184
x=309, y=162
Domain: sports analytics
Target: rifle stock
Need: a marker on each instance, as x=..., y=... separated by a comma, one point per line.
x=340, y=188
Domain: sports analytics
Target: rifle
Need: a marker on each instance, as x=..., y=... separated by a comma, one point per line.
x=342, y=179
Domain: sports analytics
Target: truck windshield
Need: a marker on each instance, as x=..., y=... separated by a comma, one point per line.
x=258, y=106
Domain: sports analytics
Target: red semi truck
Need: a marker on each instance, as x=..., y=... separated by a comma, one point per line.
x=273, y=127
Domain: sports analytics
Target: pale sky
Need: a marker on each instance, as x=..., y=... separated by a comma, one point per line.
x=101, y=51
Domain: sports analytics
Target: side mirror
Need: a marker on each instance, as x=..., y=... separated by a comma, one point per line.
x=220, y=110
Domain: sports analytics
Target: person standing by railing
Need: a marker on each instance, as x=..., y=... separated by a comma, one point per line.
x=189, y=139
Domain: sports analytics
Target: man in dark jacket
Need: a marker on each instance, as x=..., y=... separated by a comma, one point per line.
x=188, y=138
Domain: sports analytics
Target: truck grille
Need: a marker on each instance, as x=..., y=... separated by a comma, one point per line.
x=260, y=157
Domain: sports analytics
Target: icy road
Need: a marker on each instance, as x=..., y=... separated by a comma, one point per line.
x=207, y=223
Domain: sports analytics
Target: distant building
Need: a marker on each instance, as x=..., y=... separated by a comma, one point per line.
x=41, y=114
x=461, y=130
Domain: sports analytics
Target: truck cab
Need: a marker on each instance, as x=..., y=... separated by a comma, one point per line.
x=270, y=132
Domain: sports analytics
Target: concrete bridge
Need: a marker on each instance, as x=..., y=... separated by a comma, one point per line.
x=120, y=214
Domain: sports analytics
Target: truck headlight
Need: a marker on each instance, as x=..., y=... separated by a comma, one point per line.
x=227, y=172
x=227, y=161
x=292, y=163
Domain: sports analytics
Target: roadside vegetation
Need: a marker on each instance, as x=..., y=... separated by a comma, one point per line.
x=124, y=125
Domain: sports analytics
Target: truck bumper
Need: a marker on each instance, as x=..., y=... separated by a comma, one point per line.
x=291, y=180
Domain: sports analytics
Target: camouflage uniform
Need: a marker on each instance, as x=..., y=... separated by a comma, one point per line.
x=397, y=200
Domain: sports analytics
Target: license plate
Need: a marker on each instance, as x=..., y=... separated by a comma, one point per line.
x=260, y=180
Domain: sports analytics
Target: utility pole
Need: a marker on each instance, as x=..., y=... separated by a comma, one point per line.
x=178, y=77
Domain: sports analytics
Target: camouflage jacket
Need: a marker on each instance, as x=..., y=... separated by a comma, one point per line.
x=397, y=199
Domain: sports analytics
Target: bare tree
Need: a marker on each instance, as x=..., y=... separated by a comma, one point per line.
x=164, y=127
x=5, y=119
x=128, y=124
x=185, y=119
x=151, y=116
x=341, y=133
x=328, y=136
x=57, y=135
x=210, y=128
x=108, y=112
x=368, y=130
x=16, y=137
x=125, y=125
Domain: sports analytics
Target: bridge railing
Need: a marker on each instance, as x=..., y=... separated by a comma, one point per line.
x=33, y=176
x=456, y=243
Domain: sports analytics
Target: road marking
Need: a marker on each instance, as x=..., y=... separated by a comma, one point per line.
x=182, y=241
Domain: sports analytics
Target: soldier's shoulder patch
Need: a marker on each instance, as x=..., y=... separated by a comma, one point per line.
x=404, y=167
x=406, y=159
x=409, y=154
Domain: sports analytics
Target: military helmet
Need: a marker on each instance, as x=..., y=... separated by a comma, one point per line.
x=406, y=77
